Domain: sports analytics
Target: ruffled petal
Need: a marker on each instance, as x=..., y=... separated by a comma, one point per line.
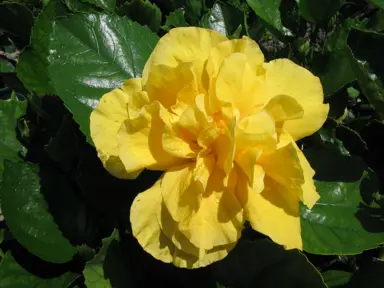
x=246, y=46
x=140, y=140
x=169, y=85
x=283, y=77
x=283, y=166
x=106, y=120
x=283, y=108
x=246, y=159
x=181, y=45
x=237, y=84
x=256, y=131
x=271, y=212
x=157, y=233
x=225, y=147
x=207, y=213
x=145, y=226
x=219, y=219
x=308, y=194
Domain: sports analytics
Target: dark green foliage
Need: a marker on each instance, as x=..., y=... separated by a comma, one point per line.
x=67, y=219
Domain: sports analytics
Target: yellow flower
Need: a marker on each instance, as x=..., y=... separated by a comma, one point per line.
x=222, y=124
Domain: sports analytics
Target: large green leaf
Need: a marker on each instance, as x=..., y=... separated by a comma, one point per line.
x=10, y=111
x=367, y=64
x=143, y=12
x=334, y=70
x=368, y=46
x=6, y=66
x=377, y=3
x=370, y=84
x=175, y=19
x=92, y=54
x=33, y=63
x=263, y=264
x=336, y=278
x=79, y=6
x=223, y=18
x=376, y=22
x=268, y=10
x=319, y=12
x=108, y=268
x=28, y=216
x=12, y=275
x=340, y=223
x=108, y=5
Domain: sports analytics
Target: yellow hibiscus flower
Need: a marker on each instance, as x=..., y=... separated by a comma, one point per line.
x=222, y=124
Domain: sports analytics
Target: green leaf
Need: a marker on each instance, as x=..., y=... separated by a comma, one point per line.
x=107, y=269
x=175, y=19
x=367, y=63
x=353, y=93
x=334, y=70
x=223, y=18
x=319, y=12
x=262, y=264
x=370, y=84
x=268, y=10
x=143, y=12
x=28, y=216
x=87, y=62
x=10, y=111
x=193, y=9
x=377, y=3
x=6, y=66
x=337, y=40
x=17, y=20
x=12, y=275
x=340, y=223
x=368, y=46
x=32, y=66
x=78, y=6
x=108, y=5
x=376, y=22
x=336, y=278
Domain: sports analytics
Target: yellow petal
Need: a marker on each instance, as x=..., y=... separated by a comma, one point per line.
x=167, y=84
x=105, y=122
x=283, y=166
x=177, y=146
x=283, y=107
x=272, y=214
x=140, y=140
x=219, y=219
x=225, y=147
x=156, y=232
x=308, y=195
x=184, y=44
x=179, y=196
x=184, y=186
x=246, y=159
x=236, y=83
x=246, y=46
x=256, y=131
x=207, y=213
x=283, y=77
x=192, y=121
x=145, y=226
x=186, y=255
